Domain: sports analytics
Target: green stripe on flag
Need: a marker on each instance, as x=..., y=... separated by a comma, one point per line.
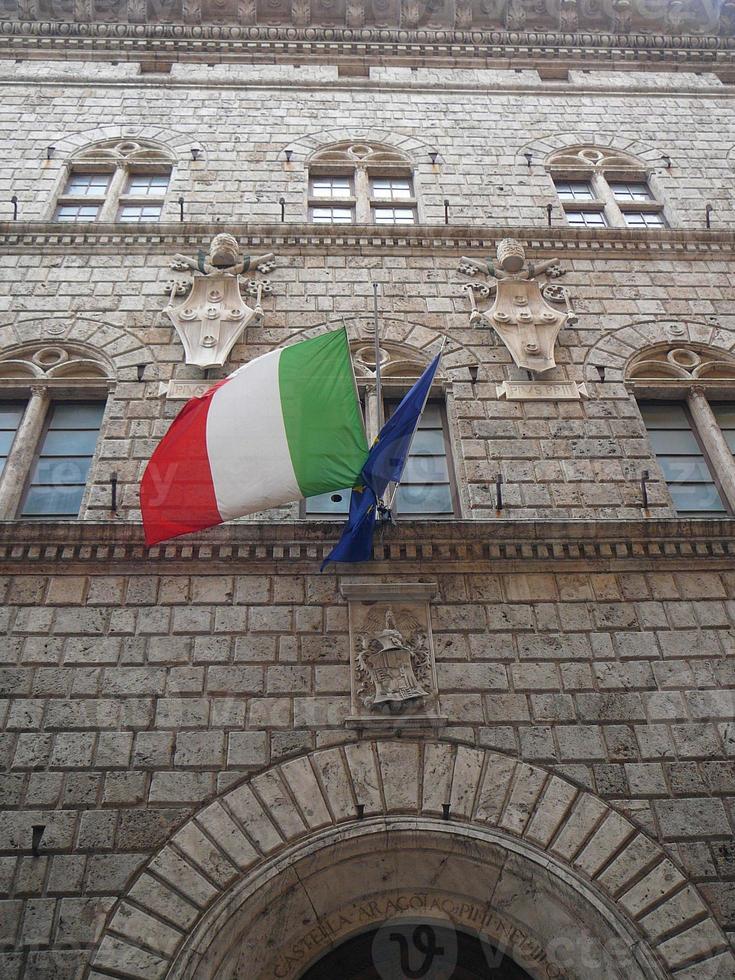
x=321, y=413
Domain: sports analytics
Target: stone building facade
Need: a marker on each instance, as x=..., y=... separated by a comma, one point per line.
x=203, y=773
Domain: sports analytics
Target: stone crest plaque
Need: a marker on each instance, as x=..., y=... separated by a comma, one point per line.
x=392, y=668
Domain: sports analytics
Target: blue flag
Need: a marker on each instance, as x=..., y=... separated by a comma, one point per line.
x=384, y=465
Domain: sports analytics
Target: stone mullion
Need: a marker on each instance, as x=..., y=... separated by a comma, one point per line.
x=22, y=453
x=362, y=197
x=716, y=447
x=108, y=211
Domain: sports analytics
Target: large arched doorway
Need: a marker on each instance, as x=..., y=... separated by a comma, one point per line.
x=267, y=880
x=420, y=949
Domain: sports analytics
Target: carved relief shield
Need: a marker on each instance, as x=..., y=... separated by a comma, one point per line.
x=526, y=323
x=210, y=320
x=391, y=670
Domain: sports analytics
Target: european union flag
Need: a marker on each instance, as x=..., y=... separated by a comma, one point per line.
x=384, y=465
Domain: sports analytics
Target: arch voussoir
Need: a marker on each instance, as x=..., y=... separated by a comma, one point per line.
x=239, y=832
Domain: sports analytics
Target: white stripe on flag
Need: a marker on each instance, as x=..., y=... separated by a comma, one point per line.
x=246, y=441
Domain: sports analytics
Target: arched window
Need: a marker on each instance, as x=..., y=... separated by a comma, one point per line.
x=52, y=399
x=361, y=183
x=600, y=187
x=428, y=486
x=686, y=395
x=118, y=180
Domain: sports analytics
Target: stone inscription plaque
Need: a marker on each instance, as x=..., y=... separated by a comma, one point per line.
x=558, y=391
x=184, y=390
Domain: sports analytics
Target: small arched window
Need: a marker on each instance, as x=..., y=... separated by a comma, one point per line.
x=118, y=180
x=52, y=399
x=363, y=183
x=600, y=187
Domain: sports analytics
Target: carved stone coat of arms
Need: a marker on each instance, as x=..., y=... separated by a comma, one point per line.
x=393, y=673
x=214, y=314
x=521, y=313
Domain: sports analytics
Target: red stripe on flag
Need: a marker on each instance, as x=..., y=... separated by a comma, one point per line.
x=177, y=491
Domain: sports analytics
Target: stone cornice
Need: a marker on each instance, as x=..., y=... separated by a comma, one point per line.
x=670, y=243
x=461, y=545
x=218, y=42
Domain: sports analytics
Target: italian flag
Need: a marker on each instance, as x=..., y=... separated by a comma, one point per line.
x=285, y=426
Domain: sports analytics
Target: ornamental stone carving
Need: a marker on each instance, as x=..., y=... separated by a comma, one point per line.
x=214, y=313
x=521, y=312
x=392, y=668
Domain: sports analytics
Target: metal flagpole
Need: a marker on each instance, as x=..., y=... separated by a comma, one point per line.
x=378, y=385
x=413, y=434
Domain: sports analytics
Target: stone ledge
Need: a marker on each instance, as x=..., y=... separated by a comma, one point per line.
x=167, y=235
x=88, y=543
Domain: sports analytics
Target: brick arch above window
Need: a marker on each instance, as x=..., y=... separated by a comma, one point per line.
x=620, y=347
x=55, y=362
x=546, y=147
x=681, y=362
x=303, y=149
x=589, y=158
x=120, y=351
x=175, y=145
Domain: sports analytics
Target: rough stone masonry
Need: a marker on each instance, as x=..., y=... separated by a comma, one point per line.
x=176, y=718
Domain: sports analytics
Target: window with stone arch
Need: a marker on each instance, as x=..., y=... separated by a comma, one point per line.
x=118, y=180
x=361, y=183
x=52, y=400
x=600, y=187
x=428, y=488
x=686, y=396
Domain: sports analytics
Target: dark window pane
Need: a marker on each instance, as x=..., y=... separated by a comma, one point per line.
x=696, y=498
x=418, y=499
x=61, y=470
x=77, y=415
x=683, y=464
x=426, y=469
x=66, y=442
x=663, y=416
x=432, y=417
x=6, y=441
x=685, y=469
x=53, y=501
x=428, y=441
x=674, y=442
x=10, y=414
x=725, y=414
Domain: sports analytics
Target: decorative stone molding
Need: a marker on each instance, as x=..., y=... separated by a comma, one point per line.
x=118, y=352
x=52, y=362
x=231, y=847
x=212, y=317
x=126, y=152
x=688, y=363
x=172, y=40
x=667, y=243
x=392, y=667
x=562, y=149
x=474, y=545
x=593, y=159
x=619, y=351
x=350, y=153
x=527, y=324
x=679, y=18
